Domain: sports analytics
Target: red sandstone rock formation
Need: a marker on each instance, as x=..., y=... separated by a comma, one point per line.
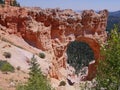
x=52, y=30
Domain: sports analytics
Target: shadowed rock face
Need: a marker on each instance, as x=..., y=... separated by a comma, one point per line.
x=52, y=30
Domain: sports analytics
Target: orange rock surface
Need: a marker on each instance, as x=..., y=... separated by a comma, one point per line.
x=51, y=30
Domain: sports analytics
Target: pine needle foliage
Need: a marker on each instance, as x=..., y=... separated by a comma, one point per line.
x=108, y=73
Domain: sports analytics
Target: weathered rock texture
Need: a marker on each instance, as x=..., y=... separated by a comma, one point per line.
x=51, y=30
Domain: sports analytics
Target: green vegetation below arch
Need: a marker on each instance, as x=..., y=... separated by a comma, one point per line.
x=79, y=55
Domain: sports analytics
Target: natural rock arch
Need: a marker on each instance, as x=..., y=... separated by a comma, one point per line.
x=51, y=30
x=93, y=44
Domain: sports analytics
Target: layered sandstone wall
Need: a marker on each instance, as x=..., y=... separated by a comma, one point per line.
x=51, y=30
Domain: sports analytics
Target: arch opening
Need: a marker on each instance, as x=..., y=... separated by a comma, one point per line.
x=80, y=54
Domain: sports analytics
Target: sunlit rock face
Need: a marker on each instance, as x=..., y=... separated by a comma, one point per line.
x=52, y=30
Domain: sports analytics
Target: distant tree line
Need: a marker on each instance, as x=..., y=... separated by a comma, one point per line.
x=1, y=1
x=113, y=19
x=14, y=3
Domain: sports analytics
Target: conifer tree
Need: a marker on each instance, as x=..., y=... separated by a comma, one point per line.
x=108, y=73
x=36, y=81
x=15, y=3
x=1, y=2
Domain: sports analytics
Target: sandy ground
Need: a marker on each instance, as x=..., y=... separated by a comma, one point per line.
x=21, y=54
x=19, y=57
x=10, y=80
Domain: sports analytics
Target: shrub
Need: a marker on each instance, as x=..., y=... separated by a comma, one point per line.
x=7, y=54
x=0, y=88
x=20, y=87
x=18, y=68
x=42, y=55
x=6, y=67
x=108, y=73
x=62, y=83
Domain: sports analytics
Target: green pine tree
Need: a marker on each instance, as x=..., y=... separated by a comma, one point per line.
x=15, y=3
x=108, y=75
x=36, y=81
x=1, y=2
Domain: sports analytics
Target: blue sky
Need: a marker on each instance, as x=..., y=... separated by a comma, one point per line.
x=111, y=5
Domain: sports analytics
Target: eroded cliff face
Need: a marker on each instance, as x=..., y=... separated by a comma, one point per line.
x=51, y=30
